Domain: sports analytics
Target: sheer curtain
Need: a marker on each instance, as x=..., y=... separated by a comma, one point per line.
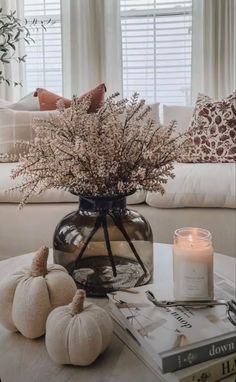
x=214, y=47
x=14, y=71
x=91, y=45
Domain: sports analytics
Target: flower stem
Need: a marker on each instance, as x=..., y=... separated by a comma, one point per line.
x=118, y=222
x=108, y=245
x=92, y=233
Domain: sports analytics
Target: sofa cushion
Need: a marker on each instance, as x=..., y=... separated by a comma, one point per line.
x=213, y=138
x=198, y=185
x=50, y=196
x=17, y=126
x=4, y=103
x=27, y=103
x=154, y=112
x=181, y=114
x=48, y=100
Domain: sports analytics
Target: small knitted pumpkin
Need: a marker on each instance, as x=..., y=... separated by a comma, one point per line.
x=28, y=296
x=77, y=333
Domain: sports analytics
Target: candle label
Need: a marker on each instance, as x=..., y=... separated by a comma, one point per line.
x=193, y=280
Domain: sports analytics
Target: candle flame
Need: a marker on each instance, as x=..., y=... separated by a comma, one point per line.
x=193, y=235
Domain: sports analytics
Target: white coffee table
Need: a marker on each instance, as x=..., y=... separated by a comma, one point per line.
x=23, y=360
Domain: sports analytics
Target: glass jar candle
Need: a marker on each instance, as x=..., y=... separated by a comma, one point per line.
x=193, y=264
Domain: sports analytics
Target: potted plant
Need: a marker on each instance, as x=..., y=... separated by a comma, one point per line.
x=102, y=157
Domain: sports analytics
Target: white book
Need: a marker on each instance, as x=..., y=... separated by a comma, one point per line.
x=210, y=371
x=175, y=338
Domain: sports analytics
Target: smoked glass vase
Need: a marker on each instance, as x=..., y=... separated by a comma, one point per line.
x=105, y=246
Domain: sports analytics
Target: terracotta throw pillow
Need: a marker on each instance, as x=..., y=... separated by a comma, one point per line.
x=214, y=139
x=48, y=100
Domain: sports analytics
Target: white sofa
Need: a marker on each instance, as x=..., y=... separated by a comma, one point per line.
x=200, y=195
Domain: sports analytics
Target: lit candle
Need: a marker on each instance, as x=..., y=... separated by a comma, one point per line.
x=193, y=264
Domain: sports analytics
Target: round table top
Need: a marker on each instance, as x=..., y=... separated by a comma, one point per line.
x=23, y=360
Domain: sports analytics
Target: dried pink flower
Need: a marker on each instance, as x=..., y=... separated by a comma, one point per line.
x=117, y=150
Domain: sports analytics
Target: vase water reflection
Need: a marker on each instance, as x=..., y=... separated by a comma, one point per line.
x=105, y=246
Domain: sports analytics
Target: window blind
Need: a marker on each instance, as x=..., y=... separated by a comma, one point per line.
x=156, y=46
x=44, y=57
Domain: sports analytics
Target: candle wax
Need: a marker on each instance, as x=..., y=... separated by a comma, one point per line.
x=193, y=270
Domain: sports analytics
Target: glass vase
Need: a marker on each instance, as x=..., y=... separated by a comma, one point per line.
x=105, y=246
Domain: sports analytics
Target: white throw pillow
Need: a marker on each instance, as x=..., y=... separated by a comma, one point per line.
x=27, y=103
x=198, y=185
x=4, y=103
x=16, y=126
x=181, y=114
x=154, y=113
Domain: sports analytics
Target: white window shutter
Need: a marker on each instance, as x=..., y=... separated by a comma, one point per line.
x=44, y=57
x=156, y=45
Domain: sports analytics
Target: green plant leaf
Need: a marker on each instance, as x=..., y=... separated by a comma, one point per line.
x=12, y=30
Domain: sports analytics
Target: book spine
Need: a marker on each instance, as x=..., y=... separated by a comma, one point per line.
x=215, y=372
x=183, y=359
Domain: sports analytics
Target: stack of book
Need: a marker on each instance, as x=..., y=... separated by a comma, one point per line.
x=178, y=344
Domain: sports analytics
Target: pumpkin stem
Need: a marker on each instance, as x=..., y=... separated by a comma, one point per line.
x=39, y=263
x=77, y=304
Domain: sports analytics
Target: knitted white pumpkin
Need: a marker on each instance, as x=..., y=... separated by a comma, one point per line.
x=28, y=296
x=76, y=334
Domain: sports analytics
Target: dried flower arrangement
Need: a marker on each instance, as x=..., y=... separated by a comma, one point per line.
x=114, y=151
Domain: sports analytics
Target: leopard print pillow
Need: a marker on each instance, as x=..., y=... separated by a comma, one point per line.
x=214, y=136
